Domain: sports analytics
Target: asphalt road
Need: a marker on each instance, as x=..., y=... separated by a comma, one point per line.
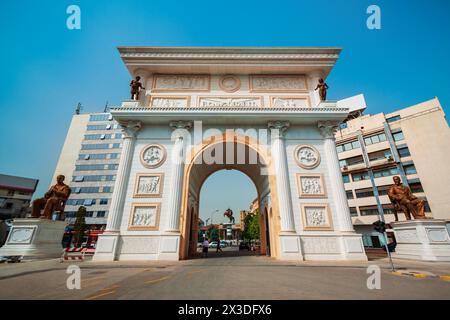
x=222, y=276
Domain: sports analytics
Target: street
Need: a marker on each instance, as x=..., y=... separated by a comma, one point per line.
x=221, y=276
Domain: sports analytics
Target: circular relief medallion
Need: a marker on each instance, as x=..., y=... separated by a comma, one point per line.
x=230, y=83
x=307, y=156
x=152, y=156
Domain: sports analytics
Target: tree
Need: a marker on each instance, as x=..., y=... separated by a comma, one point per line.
x=251, y=226
x=80, y=226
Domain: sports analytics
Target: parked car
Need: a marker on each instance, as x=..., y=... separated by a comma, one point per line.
x=244, y=246
x=223, y=243
x=214, y=244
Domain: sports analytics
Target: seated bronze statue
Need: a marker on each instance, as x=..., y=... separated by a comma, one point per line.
x=54, y=200
x=403, y=200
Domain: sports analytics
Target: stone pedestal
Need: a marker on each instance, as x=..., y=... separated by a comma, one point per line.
x=426, y=240
x=37, y=238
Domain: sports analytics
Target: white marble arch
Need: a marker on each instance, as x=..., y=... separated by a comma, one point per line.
x=185, y=132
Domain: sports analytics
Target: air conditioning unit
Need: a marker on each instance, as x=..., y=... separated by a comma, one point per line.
x=390, y=158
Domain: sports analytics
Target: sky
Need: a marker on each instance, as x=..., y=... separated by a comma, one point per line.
x=46, y=69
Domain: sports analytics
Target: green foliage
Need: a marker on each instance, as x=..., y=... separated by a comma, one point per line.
x=212, y=233
x=80, y=227
x=251, y=228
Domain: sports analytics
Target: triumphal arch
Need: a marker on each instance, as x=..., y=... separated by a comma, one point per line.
x=256, y=110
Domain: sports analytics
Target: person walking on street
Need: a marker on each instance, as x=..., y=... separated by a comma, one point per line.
x=205, y=246
x=218, y=246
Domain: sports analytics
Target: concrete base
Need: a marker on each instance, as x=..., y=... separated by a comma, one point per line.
x=36, y=238
x=425, y=240
x=111, y=246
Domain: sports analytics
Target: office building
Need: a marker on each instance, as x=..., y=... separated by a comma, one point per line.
x=413, y=143
x=89, y=160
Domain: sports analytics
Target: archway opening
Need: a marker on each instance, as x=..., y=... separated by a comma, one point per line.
x=210, y=189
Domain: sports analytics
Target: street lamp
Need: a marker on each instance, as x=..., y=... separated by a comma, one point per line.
x=212, y=213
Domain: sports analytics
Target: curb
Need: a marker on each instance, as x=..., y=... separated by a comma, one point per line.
x=419, y=275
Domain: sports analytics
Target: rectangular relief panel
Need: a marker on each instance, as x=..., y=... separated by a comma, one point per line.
x=316, y=217
x=290, y=102
x=230, y=102
x=278, y=83
x=170, y=102
x=148, y=185
x=311, y=185
x=144, y=217
x=181, y=82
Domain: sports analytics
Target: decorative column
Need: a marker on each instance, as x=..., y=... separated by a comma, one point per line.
x=129, y=131
x=328, y=130
x=176, y=183
x=278, y=152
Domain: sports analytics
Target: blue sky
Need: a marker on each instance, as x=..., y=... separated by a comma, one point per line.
x=47, y=69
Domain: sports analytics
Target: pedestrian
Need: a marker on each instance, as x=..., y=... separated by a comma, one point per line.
x=218, y=246
x=205, y=246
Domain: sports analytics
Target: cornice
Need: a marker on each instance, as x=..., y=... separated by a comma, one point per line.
x=212, y=109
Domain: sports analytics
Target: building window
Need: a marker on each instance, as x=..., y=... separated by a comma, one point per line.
x=353, y=212
x=348, y=146
x=388, y=209
x=100, y=117
x=398, y=136
x=382, y=154
x=97, y=136
x=349, y=194
x=78, y=179
x=95, y=146
x=427, y=206
x=70, y=214
x=368, y=211
x=100, y=178
x=89, y=214
x=393, y=119
x=115, y=146
x=416, y=187
x=351, y=161
x=375, y=139
x=11, y=193
x=404, y=152
x=346, y=178
x=107, y=189
x=385, y=172
x=118, y=136
x=103, y=201
x=410, y=169
x=383, y=190
x=101, y=214
x=89, y=202
x=95, y=127
x=364, y=193
x=360, y=176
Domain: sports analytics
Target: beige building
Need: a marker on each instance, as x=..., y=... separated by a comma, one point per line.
x=15, y=196
x=413, y=143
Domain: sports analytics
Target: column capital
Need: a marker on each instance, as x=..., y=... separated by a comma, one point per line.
x=187, y=125
x=130, y=128
x=328, y=128
x=278, y=128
